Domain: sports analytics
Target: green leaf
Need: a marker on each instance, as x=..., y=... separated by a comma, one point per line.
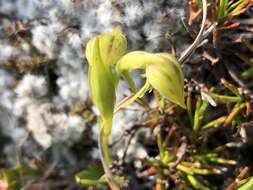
x=12, y=178
x=195, y=183
x=247, y=186
x=247, y=74
x=168, y=157
x=91, y=176
x=17, y=175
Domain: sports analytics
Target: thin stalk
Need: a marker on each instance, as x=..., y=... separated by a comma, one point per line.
x=199, y=112
x=234, y=112
x=189, y=106
x=214, y=123
x=160, y=144
x=134, y=89
x=103, y=145
x=225, y=99
x=159, y=184
x=130, y=99
x=198, y=39
x=196, y=183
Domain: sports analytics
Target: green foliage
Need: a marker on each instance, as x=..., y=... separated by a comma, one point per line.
x=17, y=176
x=196, y=184
x=248, y=185
x=248, y=74
x=230, y=8
x=91, y=176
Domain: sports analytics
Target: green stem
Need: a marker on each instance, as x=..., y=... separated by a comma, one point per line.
x=130, y=82
x=105, y=156
x=124, y=103
x=189, y=106
x=134, y=89
x=106, y=149
x=215, y=122
x=225, y=99
x=160, y=144
x=105, y=132
x=199, y=112
x=196, y=183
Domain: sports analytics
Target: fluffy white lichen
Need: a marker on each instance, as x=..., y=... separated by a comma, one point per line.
x=33, y=86
x=7, y=52
x=45, y=38
x=49, y=128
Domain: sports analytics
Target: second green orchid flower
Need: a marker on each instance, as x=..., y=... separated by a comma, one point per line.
x=162, y=72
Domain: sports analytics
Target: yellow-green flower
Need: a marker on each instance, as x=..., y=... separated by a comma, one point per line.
x=162, y=71
x=102, y=51
x=101, y=85
x=166, y=76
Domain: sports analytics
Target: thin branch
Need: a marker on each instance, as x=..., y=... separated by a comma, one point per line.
x=232, y=72
x=180, y=153
x=109, y=176
x=127, y=144
x=199, y=38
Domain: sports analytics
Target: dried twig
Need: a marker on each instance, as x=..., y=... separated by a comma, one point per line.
x=199, y=37
x=232, y=72
x=180, y=153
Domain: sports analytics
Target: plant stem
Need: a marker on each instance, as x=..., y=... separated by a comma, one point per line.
x=103, y=145
x=106, y=149
x=134, y=89
x=198, y=39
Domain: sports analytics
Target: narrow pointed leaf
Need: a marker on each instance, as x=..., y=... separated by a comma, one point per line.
x=247, y=186
x=91, y=176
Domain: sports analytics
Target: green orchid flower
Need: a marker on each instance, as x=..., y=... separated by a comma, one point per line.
x=102, y=51
x=162, y=72
x=101, y=83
